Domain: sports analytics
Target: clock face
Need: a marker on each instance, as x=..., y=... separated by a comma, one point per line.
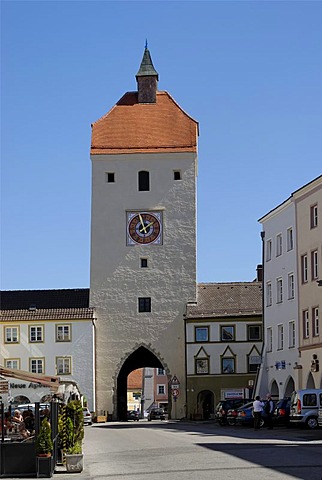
x=144, y=228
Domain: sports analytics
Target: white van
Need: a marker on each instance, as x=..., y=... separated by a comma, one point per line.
x=304, y=408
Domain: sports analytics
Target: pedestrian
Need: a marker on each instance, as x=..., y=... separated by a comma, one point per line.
x=257, y=412
x=269, y=410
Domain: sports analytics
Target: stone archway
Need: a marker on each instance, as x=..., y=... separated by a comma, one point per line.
x=141, y=357
x=310, y=381
x=21, y=400
x=289, y=387
x=205, y=403
x=274, y=390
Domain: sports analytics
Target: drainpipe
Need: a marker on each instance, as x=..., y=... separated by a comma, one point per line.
x=260, y=370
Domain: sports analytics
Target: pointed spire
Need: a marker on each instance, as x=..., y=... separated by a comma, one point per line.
x=147, y=69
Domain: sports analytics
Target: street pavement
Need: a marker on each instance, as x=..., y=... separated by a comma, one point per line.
x=199, y=451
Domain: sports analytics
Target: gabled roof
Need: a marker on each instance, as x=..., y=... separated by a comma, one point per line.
x=44, y=299
x=226, y=299
x=29, y=305
x=132, y=127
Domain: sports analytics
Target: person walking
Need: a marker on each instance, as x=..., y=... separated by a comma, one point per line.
x=269, y=410
x=257, y=412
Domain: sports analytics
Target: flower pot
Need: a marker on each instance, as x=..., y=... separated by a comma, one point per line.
x=44, y=465
x=74, y=462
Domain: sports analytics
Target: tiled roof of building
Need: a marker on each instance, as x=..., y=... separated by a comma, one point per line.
x=28, y=305
x=135, y=379
x=132, y=127
x=226, y=299
x=46, y=314
x=44, y=299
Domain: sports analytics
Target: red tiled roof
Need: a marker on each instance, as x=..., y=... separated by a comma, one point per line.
x=132, y=127
x=134, y=379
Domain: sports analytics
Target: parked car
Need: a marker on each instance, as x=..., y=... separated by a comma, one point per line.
x=133, y=415
x=304, y=407
x=230, y=405
x=156, y=414
x=88, y=418
x=245, y=415
x=282, y=412
x=31, y=406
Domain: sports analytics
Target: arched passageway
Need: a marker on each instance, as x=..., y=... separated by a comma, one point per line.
x=206, y=403
x=142, y=357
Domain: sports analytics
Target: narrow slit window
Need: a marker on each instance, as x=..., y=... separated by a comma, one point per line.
x=144, y=181
x=176, y=175
x=144, y=263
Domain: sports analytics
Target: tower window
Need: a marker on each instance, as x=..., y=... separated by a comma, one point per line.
x=110, y=177
x=144, y=181
x=144, y=304
x=144, y=263
x=176, y=175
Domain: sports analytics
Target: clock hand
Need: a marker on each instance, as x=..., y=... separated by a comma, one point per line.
x=142, y=223
x=145, y=227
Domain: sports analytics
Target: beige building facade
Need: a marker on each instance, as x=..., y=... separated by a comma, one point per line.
x=308, y=208
x=223, y=345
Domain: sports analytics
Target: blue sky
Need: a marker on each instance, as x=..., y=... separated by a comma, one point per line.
x=249, y=72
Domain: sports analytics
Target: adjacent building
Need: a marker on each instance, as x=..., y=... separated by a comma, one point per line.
x=292, y=252
x=223, y=344
x=48, y=332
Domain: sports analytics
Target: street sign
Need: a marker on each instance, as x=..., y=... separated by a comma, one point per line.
x=175, y=384
x=175, y=392
x=4, y=386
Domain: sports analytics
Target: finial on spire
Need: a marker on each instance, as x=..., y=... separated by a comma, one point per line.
x=146, y=43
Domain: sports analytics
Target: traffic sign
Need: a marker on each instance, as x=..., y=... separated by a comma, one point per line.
x=175, y=392
x=175, y=384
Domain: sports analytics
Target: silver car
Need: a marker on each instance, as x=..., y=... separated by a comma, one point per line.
x=304, y=407
x=88, y=419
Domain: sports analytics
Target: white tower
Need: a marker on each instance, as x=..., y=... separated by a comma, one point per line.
x=143, y=238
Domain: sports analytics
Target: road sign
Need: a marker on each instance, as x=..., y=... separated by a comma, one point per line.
x=175, y=384
x=4, y=386
x=175, y=392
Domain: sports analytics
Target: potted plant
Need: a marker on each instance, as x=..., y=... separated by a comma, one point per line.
x=44, y=446
x=71, y=432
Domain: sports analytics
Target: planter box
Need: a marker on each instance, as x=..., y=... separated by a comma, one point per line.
x=100, y=419
x=44, y=467
x=74, y=463
x=17, y=459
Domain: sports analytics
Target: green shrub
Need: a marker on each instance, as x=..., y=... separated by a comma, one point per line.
x=71, y=427
x=44, y=443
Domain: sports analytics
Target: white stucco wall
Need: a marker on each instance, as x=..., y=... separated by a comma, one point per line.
x=116, y=277
x=240, y=348
x=275, y=223
x=80, y=349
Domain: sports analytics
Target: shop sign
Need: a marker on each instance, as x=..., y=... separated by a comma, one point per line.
x=32, y=385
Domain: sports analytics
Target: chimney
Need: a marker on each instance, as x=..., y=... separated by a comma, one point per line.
x=259, y=270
